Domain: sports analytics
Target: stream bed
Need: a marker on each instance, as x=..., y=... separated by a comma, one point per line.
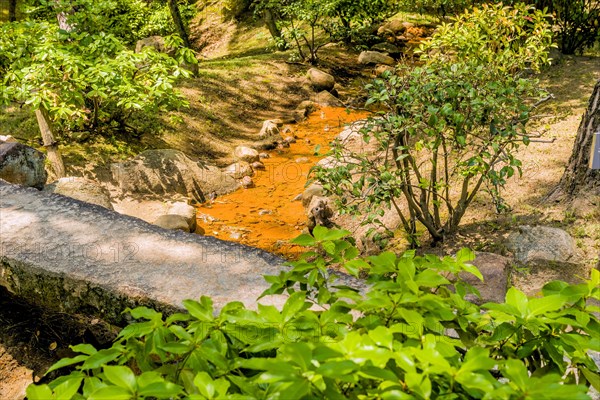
x=269, y=214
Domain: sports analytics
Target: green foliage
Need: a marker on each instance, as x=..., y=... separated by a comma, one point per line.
x=352, y=20
x=300, y=21
x=448, y=128
x=332, y=341
x=129, y=20
x=236, y=8
x=439, y=8
x=577, y=22
x=86, y=81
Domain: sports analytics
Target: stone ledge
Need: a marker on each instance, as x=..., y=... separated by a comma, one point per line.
x=77, y=257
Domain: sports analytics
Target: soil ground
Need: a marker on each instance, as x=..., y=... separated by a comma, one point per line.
x=32, y=339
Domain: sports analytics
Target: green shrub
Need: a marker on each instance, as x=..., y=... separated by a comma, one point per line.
x=577, y=22
x=439, y=8
x=332, y=341
x=448, y=128
x=86, y=81
x=129, y=20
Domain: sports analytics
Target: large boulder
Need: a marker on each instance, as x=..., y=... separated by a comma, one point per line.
x=22, y=165
x=546, y=254
x=543, y=245
x=319, y=212
x=173, y=222
x=247, y=154
x=157, y=42
x=186, y=211
x=352, y=140
x=320, y=80
x=239, y=170
x=375, y=57
x=304, y=109
x=81, y=189
x=8, y=139
x=495, y=270
x=166, y=173
x=386, y=47
x=370, y=237
x=312, y=190
x=393, y=28
x=325, y=98
x=269, y=129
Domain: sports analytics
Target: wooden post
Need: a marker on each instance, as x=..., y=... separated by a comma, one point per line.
x=49, y=143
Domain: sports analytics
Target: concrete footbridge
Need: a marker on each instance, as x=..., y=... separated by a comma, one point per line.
x=77, y=257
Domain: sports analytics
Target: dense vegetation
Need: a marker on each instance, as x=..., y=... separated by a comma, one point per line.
x=447, y=129
x=410, y=335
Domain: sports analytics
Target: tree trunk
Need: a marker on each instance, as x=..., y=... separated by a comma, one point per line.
x=49, y=143
x=12, y=10
x=274, y=29
x=579, y=177
x=179, y=25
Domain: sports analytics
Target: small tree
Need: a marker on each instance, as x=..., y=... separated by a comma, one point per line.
x=449, y=128
x=82, y=81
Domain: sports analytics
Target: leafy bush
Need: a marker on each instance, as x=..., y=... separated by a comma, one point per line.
x=439, y=8
x=129, y=20
x=86, y=81
x=352, y=20
x=577, y=22
x=410, y=335
x=448, y=128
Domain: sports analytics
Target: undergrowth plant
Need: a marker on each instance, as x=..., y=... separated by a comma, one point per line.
x=408, y=334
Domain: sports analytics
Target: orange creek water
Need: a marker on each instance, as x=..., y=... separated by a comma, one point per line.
x=266, y=215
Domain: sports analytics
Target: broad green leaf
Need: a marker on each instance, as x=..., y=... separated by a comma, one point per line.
x=161, y=390
x=517, y=299
x=205, y=384
x=84, y=348
x=320, y=232
x=304, y=240
x=202, y=310
x=337, y=369
x=39, y=392
x=294, y=304
x=121, y=376
x=544, y=304
x=100, y=358
x=67, y=389
x=66, y=362
x=111, y=393
x=515, y=371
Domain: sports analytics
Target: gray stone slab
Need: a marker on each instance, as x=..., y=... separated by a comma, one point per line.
x=81, y=258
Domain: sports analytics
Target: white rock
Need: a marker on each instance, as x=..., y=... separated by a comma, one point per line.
x=245, y=153
x=239, y=170
x=269, y=129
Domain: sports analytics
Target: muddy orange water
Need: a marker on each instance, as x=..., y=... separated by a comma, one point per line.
x=266, y=216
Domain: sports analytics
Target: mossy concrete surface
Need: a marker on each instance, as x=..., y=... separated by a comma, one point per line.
x=81, y=258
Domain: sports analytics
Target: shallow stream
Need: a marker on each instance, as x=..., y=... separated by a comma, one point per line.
x=269, y=214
